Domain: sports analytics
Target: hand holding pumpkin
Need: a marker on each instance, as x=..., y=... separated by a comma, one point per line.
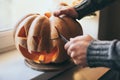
x=77, y=49
x=66, y=10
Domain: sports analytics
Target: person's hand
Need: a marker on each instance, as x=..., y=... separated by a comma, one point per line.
x=77, y=49
x=66, y=10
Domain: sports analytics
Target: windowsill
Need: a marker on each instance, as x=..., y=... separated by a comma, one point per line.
x=12, y=67
x=6, y=40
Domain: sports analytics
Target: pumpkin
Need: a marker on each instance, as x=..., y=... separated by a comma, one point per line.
x=37, y=39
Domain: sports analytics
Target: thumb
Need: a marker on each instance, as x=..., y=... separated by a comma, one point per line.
x=56, y=13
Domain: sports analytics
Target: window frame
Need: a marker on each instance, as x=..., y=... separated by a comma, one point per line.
x=6, y=40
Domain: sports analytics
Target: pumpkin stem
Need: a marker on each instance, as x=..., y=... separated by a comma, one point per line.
x=48, y=14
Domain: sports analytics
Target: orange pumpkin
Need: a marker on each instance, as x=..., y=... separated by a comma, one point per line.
x=36, y=37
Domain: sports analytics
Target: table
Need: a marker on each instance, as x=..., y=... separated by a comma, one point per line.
x=12, y=67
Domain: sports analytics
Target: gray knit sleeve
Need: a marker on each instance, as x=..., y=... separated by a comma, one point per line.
x=88, y=6
x=104, y=54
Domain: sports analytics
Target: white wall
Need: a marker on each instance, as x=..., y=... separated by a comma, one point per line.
x=23, y=7
x=5, y=14
x=90, y=25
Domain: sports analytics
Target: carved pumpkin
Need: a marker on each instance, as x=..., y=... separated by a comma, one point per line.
x=36, y=37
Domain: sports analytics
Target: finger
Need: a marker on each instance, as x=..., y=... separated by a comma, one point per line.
x=64, y=11
x=82, y=57
x=67, y=45
x=56, y=13
x=71, y=39
x=81, y=60
x=71, y=49
x=76, y=58
x=77, y=62
x=72, y=54
x=69, y=52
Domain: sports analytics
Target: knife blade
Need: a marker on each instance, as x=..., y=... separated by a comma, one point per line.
x=61, y=36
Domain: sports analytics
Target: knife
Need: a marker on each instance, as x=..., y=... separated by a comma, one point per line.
x=61, y=36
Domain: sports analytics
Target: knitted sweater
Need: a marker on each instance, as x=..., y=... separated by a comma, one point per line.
x=100, y=53
x=88, y=6
x=104, y=53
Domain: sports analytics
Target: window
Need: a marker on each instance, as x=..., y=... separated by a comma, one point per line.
x=6, y=41
x=12, y=10
x=5, y=14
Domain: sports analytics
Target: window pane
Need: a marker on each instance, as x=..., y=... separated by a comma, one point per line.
x=12, y=10
x=5, y=14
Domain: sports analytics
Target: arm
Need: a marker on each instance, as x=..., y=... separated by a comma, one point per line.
x=84, y=8
x=89, y=6
x=86, y=51
x=104, y=54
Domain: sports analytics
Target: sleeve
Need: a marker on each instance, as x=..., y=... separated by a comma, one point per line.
x=88, y=6
x=104, y=54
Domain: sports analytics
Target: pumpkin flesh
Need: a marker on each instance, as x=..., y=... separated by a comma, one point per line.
x=40, y=57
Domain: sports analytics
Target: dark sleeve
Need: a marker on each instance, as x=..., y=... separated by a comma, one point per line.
x=104, y=54
x=88, y=6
